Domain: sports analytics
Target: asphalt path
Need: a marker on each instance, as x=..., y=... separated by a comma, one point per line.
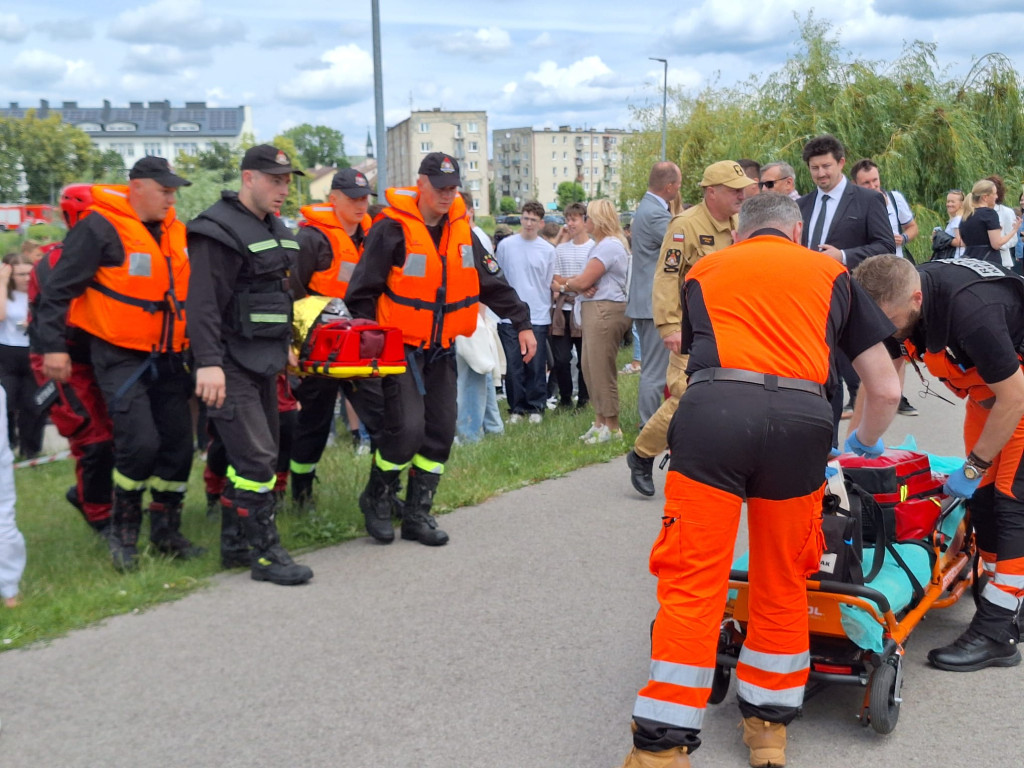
x=521, y=644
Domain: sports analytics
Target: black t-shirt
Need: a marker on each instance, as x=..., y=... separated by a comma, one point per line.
x=974, y=231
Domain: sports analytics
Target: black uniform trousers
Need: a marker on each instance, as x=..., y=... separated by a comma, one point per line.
x=148, y=401
x=248, y=424
x=420, y=408
x=561, y=367
x=317, y=395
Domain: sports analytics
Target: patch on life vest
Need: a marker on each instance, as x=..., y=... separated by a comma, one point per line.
x=672, y=259
x=678, y=237
x=467, y=256
x=707, y=239
x=491, y=265
x=140, y=265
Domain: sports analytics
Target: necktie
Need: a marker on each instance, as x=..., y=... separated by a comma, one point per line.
x=819, y=225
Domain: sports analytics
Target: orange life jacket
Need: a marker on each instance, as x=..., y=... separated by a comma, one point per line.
x=139, y=304
x=333, y=281
x=433, y=296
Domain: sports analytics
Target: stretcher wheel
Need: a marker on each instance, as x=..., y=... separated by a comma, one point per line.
x=884, y=706
x=720, y=684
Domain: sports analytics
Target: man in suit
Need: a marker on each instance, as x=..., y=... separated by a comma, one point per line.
x=847, y=222
x=649, y=224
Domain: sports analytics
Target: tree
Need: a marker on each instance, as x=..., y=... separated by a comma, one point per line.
x=298, y=194
x=508, y=205
x=570, y=192
x=926, y=131
x=219, y=158
x=319, y=145
x=204, y=191
x=51, y=154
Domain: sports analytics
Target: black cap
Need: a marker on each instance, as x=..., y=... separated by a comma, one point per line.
x=158, y=169
x=268, y=159
x=352, y=182
x=441, y=169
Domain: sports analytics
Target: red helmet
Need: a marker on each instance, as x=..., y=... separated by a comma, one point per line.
x=75, y=200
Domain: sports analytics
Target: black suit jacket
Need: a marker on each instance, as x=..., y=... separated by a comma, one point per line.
x=860, y=226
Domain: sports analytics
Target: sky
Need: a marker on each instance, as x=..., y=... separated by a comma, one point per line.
x=525, y=63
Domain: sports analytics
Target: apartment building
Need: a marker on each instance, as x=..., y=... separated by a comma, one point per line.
x=463, y=135
x=153, y=128
x=529, y=164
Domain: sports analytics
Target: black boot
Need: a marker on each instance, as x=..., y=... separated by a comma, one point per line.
x=212, y=504
x=270, y=561
x=417, y=523
x=990, y=641
x=234, y=547
x=165, y=531
x=641, y=472
x=126, y=519
x=376, y=503
x=302, y=491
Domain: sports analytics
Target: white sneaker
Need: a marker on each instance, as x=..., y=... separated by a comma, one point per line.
x=585, y=437
x=552, y=402
x=603, y=435
x=515, y=418
x=536, y=418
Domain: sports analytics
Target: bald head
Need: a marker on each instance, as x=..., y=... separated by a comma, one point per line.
x=664, y=180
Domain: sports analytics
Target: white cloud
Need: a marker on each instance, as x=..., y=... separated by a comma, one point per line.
x=288, y=37
x=35, y=68
x=163, y=59
x=543, y=40
x=486, y=41
x=66, y=29
x=184, y=23
x=11, y=28
x=346, y=78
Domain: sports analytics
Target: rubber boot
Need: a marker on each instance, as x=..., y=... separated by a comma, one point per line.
x=234, y=547
x=270, y=561
x=641, y=473
x=417, y=523
x=165, y=531
x=125, y=521
x=376, y=503
x=677, y=757
x=767, y=742
x=302, y=491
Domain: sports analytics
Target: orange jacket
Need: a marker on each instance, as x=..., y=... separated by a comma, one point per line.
x=333, y=281
x=432, y=297
x=141, y=303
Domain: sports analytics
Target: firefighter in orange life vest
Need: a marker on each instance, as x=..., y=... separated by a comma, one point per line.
x=78, y=411
x=240, y=323
x=124, y=273
x=754, y=424
x=330, y=245
x=425, y=272
x=964, y=318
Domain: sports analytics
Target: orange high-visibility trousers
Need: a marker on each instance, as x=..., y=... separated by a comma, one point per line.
x=732, y=441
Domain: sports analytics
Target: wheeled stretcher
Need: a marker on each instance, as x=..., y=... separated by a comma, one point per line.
x=858, y=631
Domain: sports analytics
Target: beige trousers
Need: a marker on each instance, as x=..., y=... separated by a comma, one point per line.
x=653, y=438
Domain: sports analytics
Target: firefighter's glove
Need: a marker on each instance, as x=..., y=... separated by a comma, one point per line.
x=957, y=484
x=854, y=445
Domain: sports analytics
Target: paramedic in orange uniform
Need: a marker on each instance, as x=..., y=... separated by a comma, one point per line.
x=964, y=318
x=754, y=425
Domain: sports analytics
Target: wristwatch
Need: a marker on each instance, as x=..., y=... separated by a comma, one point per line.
x=974, y=467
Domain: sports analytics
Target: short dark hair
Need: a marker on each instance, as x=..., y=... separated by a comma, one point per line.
x=750, y=165
x=862, y=165
x=467, y=197
x=826, y=144
x=534, y=208
x=575, y=209
x=1000, y=187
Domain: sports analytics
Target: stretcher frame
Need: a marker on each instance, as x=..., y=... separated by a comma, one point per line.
x=835, y=659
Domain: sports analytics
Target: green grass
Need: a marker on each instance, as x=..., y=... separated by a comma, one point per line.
x=69, y=582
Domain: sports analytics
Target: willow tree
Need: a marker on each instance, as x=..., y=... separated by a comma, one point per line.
x=927, y=131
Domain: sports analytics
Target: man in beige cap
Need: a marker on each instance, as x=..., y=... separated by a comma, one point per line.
x=696, y=232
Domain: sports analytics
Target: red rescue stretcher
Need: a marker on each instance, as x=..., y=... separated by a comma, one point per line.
x=858, y=631
x=327, y=341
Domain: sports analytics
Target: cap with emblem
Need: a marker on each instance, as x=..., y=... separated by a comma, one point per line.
x=351, y=182
x=268, y=159
x=159, y=170
x=441, y=169
x=728, y=173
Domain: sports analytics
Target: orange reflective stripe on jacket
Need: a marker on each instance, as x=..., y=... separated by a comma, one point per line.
x=139, y=304
x=333, y=281
x=433, y=296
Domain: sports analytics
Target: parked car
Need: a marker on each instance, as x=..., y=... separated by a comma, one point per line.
x=558, y=218
x=508, y=219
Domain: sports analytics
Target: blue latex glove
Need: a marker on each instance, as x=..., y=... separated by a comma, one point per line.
x=831, y=472
x=957, y=484
x=854, y=445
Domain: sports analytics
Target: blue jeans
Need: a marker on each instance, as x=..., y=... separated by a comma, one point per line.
x=525, y=383
x=476, y=399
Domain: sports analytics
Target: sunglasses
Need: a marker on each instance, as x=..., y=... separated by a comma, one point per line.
x=771, y=184
x=954, y=192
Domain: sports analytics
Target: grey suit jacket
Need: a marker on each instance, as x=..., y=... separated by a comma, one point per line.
x=648, y=230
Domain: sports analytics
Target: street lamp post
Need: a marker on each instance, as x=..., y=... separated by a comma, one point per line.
x=664, y=104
